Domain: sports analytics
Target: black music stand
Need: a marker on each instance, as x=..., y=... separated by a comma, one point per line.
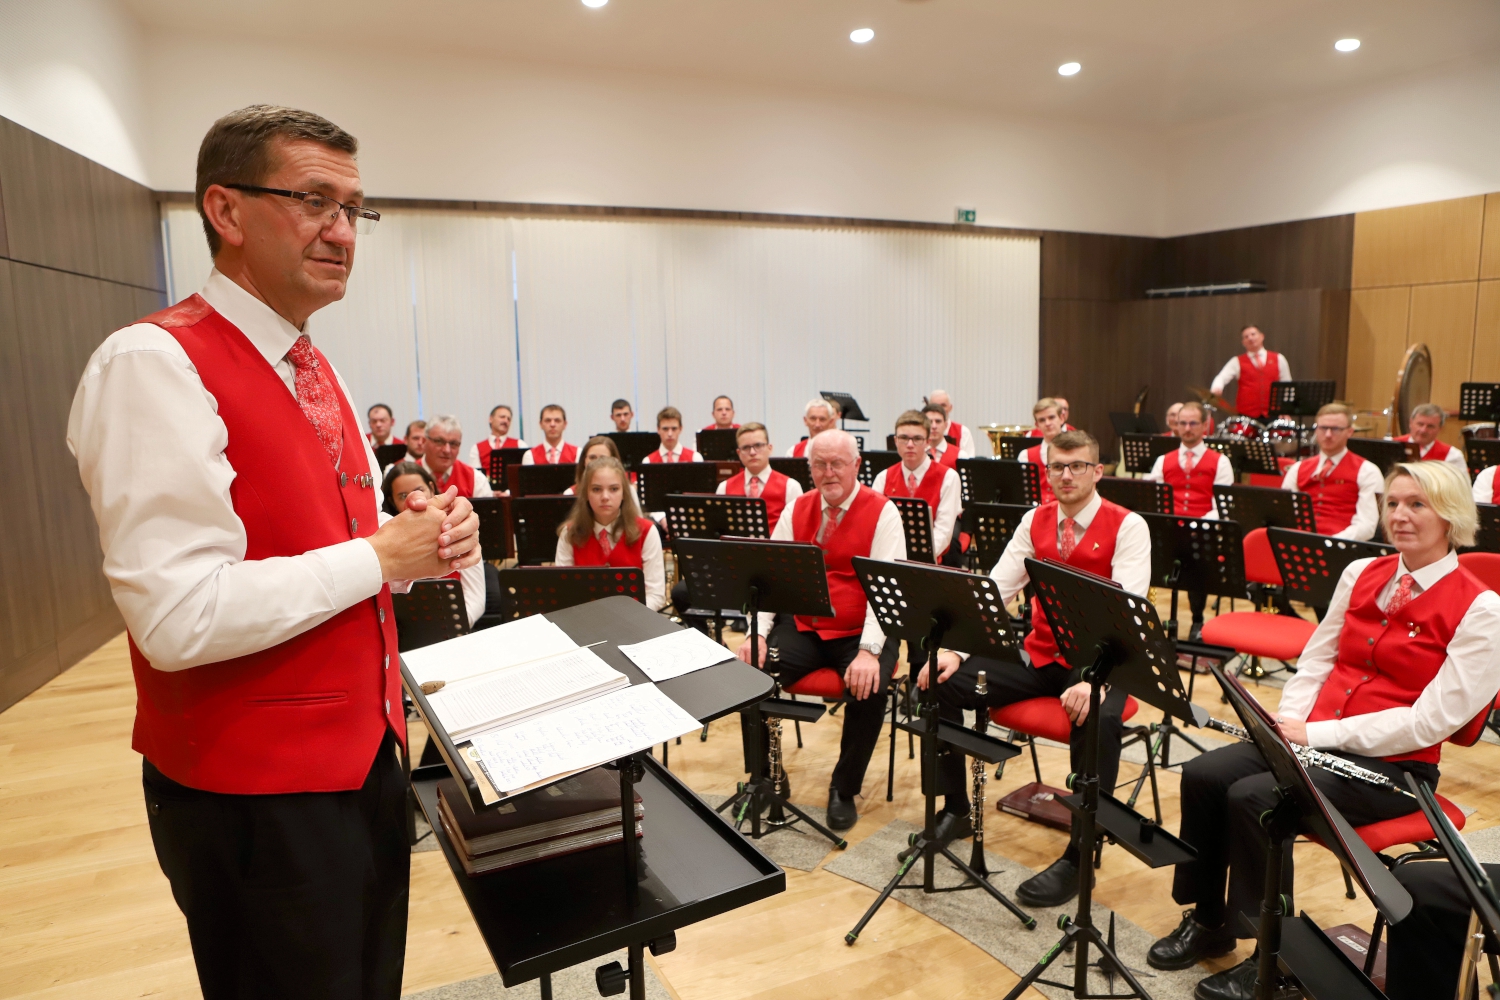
x=1012, y=445
x=431, y=612
x=657, y=480
x=1260, y=457
x=755, y=576
x=794, y=467
x=634, y=446
x=872, y=463
x=934, y=608
x=1133, y=423
x=1254, y=507
x=1000, y=480
x=537, y=590
x=699, y=516
x=1141, y=495
x=494, y=527
x=916, y=522
x=542, y=480
x=1488, y=539
x=389, y=454
x=1115, y=638
x=500, y=460
x=1311, y=564
x=1385, y=454
x=1301, y=398
x=1480, y=454
x=1479, y=401
x=717, y=444
x=991, y=527
x=848, y=407
x=536, y=520
x=1142, y=450
x=1232, y=450
x=1302, y=805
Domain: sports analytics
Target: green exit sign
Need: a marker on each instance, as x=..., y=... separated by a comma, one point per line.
x=965, y=216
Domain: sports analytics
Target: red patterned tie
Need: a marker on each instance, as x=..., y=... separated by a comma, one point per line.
x=1402, y=597
x=552, y=455
x=754, y=488
x=911, y=483
x=831, y=517
x=604, y=541
x=1069, y=540
x=317, y=397
x=1188, y=461
x=672, y=456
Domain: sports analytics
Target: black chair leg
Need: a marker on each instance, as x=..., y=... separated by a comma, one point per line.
x=1349, y=894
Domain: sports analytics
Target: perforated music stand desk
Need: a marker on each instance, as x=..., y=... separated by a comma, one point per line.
x=872, y=463
x=1140, y=495
x=1000, y=480
x=1480, y=454
x=433, y=610
x=793, y=468
x=657, y=480
x=535, y=520
x=634, y=446
x=539, y=918
x=535, y=590
x=1209, y=555
x=1254, y=507
x=1300, y=398
x=1479, y=401
x=916, y=525
x=495, y=533
x=716, y=444
x=1311, y=564
x=502, y=459
x=1260, y=457
x=696, y=515
x=1488, y=539
x=542, y=480
x=1133, y=423
x=1385, y=454
x=1142, y=450
x=992, y=525
x=848, y=406
x=1012, y=445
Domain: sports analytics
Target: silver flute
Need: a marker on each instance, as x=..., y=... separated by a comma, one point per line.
x=1317, y=758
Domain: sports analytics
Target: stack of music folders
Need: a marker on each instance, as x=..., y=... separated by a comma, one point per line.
x=570, y=816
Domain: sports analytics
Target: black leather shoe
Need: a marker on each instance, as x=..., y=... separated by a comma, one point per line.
x=1238, y=983
x=1195, y=634
x=1188, y=944
x=950, y=827
x=1054, y=886
x=841, y=812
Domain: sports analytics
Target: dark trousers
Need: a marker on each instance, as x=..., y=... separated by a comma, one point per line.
x=1197, y=601
x=794, y=654
x=290, y=896
x=1009, y=682
x=1223, y=796
x=1427, y=947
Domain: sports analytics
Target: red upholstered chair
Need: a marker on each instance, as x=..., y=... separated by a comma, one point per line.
x=1485, y=565
x=826, y=682
x=1260, y=561
x=1255, y=633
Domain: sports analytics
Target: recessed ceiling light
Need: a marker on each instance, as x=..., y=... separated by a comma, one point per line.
x=1346, y=44
x=1069, y=69
x=860, y=36
x=595, y=3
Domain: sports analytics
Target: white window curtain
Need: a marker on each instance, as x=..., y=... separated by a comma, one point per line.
x=453, y=312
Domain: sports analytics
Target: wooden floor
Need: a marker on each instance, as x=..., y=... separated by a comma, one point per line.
x=86, y=914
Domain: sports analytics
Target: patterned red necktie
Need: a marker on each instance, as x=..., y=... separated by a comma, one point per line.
x=672, y=456
x=317, y=397
x=1402, y=597
x=754, y=488
x=604, y=541
x=1069, y=540
x=552, y=456
x=911, y=483
x=831, y=517
x=1188, y=461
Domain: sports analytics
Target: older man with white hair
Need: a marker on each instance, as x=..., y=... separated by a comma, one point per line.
x=956, y=430
x=845, y=520
x=444, y=440
x=1426, y=420
x=818, y=416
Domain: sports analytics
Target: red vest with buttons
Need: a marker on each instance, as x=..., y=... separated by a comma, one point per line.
x=306, y=715
x=929, y=487
x=1253, y=397
x=485, y=448
x=1034, y=456
x=1386, y=663
x=568, y=455
x=461, y=474
x=853, y=537
x=622, y=554
x=1437, y=453
x=1192, y=493
x=1336, y=495
x=686, y=455
x=773, y=493
x=1094, y=552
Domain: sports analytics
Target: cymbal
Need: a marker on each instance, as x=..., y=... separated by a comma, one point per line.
x=1213, y=399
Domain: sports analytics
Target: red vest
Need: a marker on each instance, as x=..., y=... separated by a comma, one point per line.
x=948, y=459
x=485, y=448
x=1094, y=553
x=623, y=553
x=716, y=427
x=306, y=715
x=568, y=455
x=1437, y=453
x=1034, y=456
x=1253, y=397
x=1334, y=496
x=799, y=450
x=460, y=474
x=956, y=432
x=1036, y=432
x=929, y=487
x=853, y=537
x=686, y=455
x=1192, y=494
x=1384, y=665
x=773, y=493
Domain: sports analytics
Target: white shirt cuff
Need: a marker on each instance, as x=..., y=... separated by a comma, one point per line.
x=354, y=569
x=1323, y=734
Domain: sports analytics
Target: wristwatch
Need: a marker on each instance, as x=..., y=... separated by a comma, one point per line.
x=873, y=648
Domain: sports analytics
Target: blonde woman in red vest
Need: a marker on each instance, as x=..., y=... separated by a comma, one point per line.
x=960, y=433
x=1408, y=655
x=1343, y=486
x=1047, y=414
x=1425, y=422
x=253, y=570
x=1255, y=370
x=818, y=416
x=1085, y=530
x=918, y=475
x=405, y=483
x=445, y=439
x=753, y=443
x=553, y=450
x=669, y=429
x=500, y=437
x=606, y=529
x=845, y=520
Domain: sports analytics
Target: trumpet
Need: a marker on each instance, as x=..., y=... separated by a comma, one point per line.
x=1317, y=758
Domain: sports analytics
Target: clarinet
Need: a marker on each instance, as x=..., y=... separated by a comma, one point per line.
x=1317, y=758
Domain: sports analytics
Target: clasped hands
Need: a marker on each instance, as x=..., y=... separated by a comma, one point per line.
x=861, y=677
x=432, y=537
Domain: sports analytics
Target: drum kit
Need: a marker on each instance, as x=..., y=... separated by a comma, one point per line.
x=1285, y=435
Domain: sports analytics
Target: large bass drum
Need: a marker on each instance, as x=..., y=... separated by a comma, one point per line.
x=1241, y=428
x=1285, y=436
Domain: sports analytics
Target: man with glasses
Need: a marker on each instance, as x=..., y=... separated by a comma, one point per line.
x=753, y=443
x=445, y=438
x=918, y=475
x=1086, y=531
x=845, y=520
x=254, y=569
x=1343, y=486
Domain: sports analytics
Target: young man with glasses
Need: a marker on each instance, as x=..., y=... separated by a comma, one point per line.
x=445, y=438
x=845, y=520
x=500, y=437
x=1086, y=531
x=918, y=475
x=1343, y=486
x=753, y=443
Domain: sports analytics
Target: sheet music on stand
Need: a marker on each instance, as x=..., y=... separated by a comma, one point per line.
x=501, y=460
x=698, y=516
x=1479, y=401
x=1301, y=398
x=1311, y=564
x=872, y=463
x=1385, y=454
x=537, y=590
x=1142, y=450
x=536, y=520
x=717, y=445
x=655, y=481
x=991, y=527
x=916, y=521
x=1480, y=454
x=634, y=446
x=793, y=468
x=1000, y=480
x=1254, y=507
x=1141, y=495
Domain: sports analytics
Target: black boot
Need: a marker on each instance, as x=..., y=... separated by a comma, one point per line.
x=841, y=812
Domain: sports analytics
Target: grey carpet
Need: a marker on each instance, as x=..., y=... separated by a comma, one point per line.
x=977, y=917
x=1485, y=844
x=576, y=983
x=425, y=840
x=790, y=847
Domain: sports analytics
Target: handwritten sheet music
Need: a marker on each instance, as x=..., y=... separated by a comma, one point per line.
x=505, y=697
x=676, y=654
x=491, y=649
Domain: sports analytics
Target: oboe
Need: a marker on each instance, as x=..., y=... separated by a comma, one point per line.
x=1317, y=758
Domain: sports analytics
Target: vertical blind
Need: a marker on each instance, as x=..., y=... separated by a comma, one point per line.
x=453, y=312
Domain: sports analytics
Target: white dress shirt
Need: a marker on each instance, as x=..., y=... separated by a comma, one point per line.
x=1231, y=370
x=1465, y=684
x=481, y=481
x=950, y=498
x=1366, y=508
x=887, y=545
x=1484, y=485
x=474, y=596
x=675, y=455
x=791, y=451
x=174, y=549
x=793, y=487
x=1223, y=472
x=530, y=459
x=495, y=443
x=1455, y=457
x=651, y=562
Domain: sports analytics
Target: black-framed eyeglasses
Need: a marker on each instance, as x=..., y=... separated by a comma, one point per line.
x=321, y=207
x=1056, y=469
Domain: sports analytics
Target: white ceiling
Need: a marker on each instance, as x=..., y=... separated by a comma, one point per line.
x=1152, y=62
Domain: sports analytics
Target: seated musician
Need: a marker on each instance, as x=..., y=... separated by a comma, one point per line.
x=623, y=415
x=1342, y=485
x=1426, y=420
x=554, y=450
x=500, y=420
x=606, y=528
x=595, y=448
x=940, y=445
x=1424, y=951
x=818, y=416
x=669, y=429
x=1049, y=424
x=416, y=440
x=918, y=475
x=963, y=435
x=410, y=479
x=381, y=426
x=1408, y=655
x=753, y=444
x=1193, y=470
x=1062, y=419
x=723, y=415
x=1084, y=530
x=445, y=439
x=1484, y=486
x=1255, y=370
x=845, y=520
x=1172, y=412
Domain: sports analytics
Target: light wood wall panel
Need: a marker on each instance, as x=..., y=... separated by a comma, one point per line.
x=1419, y=244
x=1489, y=252
x=1378, y=319
x=1442, y=317
x=1485, y=366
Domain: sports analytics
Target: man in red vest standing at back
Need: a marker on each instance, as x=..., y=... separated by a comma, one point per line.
x=1343, y=486
x=1255, y=370
x=254, y=573
x=1426, y=420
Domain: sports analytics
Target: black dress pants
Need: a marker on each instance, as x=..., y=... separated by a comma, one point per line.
x=1223, y=796
x=290, y=896
x=793, y=654
x=1427, y=947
